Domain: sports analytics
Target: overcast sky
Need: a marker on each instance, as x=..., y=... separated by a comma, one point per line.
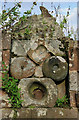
x=64, y=7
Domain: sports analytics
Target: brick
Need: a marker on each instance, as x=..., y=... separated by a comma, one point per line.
x=0, y=59
x=0, y=40
x=72, y=98
x=6, y=57
x=6, y=41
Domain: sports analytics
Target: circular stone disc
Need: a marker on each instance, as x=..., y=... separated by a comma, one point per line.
x=56, y=68
x=22, y=67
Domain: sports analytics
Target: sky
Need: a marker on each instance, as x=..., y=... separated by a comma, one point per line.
x=63, y=9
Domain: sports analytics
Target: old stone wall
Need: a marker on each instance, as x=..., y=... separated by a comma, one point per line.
x=39, y=59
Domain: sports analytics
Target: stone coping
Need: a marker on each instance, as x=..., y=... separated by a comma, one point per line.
x=44, y=113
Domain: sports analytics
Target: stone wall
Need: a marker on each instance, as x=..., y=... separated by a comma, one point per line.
x=31, y=57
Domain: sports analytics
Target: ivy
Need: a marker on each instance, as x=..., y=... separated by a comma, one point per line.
x=11, y=88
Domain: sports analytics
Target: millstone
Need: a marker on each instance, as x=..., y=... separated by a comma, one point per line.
x=56, y=68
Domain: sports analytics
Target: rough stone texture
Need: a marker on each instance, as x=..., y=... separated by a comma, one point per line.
x=38, y=54
x=63, y=113
x=41, y=113
x=73, y=59
x=72, y=98
x=73, y=80
x=78, y=81
x=20, y=47
x=6, y=58
x=4, y=102
x=77, y=99
x=49, y=98
x=5, y=112
x=56, y=68
x=53, y=47
x=6, y=41
x=61, y=89
x=22, y=67
x=54, y=113
x=25, y=113
x=38, y=71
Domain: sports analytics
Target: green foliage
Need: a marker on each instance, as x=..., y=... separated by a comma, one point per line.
x=28, y=12
x=10, y=86
x=31, y=106
x=63, y=102
x=9, y=17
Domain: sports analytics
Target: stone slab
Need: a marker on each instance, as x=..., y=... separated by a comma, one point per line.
x=61, y=89
x=72, y=98
x=35, y=113
x=73, y=80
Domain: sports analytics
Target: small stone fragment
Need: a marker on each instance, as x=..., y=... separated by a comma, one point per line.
x=38, y=71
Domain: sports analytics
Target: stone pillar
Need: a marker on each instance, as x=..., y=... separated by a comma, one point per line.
x=73, y=68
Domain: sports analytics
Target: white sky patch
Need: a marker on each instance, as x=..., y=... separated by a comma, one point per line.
x=41, y=0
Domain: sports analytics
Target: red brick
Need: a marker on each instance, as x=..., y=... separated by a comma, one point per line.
x=72, y=98
x=6, y=41
x=0, y=40
x=6, y=57
x=0, y=59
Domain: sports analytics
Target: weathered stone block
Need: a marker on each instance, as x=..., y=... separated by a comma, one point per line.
x=62, y=113
x=6, y=58
x=4, y=102
x=61, y=89
x=5, y=112
x=53, y=47
x=6, y=41
x=20, y=47
x=39, y=113
x=73, y=59
x=24, y=113
x=46, y=85
x=38, y=71
x=22, y=67
x=73, y=80
x=72, y=98
x=38, y=54
x=46, y=113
